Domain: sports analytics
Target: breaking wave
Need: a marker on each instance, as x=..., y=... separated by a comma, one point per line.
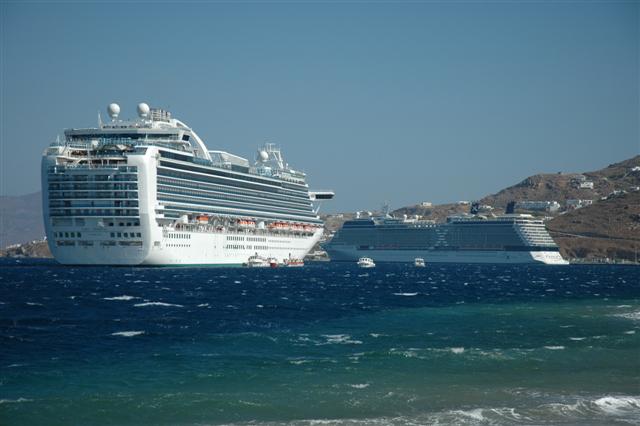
x=127, y=333
x=140, y=305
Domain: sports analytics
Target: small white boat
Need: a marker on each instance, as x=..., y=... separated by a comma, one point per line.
x=366, y=262
x=273, y=262
x=256, y=261
x=418, y=262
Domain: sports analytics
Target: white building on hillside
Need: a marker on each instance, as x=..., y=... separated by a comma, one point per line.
x=550, y=206
x=586, y=185
x=576, y=204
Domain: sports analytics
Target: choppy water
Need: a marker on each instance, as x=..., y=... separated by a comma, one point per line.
x=324, y=344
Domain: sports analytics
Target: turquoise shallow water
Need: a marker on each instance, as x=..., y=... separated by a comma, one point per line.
x=324, y=344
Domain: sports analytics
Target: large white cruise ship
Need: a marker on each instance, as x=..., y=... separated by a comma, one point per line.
x=147, y=191
x=510, y=238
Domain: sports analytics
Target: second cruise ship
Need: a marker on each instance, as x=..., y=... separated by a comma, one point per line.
x=148, y=191
x=468, y=238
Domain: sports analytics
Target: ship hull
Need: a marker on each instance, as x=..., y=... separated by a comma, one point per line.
x=190, y=249
x=352, y=254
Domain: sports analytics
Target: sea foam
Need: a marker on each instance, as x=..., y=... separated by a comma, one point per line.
x=127, y=333
x=123, y=297
x=629, y=315
x=140, y=305
x=618, y=405
x=344, y=339
x=14, y=401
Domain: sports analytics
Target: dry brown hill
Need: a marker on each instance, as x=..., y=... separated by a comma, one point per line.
x=438, y=212
x=37, y=248
x=608, y=229
x=560, y=186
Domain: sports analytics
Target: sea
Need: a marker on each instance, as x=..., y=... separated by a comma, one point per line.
x=326, y=344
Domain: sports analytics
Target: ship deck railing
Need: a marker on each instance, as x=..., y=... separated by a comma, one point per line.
x=217, y=229
x=175, y=144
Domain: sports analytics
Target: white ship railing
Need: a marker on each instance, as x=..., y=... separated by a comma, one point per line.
x=212, y=229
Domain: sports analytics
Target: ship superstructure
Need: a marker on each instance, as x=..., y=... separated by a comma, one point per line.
x=510, y=238
x=148, y=191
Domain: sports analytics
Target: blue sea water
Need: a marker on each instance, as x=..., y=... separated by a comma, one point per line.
x=323, y=344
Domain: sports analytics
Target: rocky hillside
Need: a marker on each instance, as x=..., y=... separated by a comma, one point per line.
x=20, y=219
x=438, y=212
x=562, y=186
x=37, y=248
x=608, y=229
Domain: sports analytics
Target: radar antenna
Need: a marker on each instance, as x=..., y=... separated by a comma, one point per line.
x=386, y=208
x=114, y=110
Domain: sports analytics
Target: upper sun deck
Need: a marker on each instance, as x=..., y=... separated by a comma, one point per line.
x=509, y=218
x=156, y=127
x=393, y=222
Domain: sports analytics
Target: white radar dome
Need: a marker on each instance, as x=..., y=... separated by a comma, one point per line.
x=113, y=110
x=263, y=156
x=143, y=110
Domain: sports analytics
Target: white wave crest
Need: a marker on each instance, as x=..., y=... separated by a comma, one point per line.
x=605, y=410
x=127, y=333
x=298, y=361
x=554, y=348
x=405, y=294
x=475, y=414
x=14, y=401
x=123, y=297
x=343, y=339
x=635, y=315
x=140, y=305
x=622, y=407
x=360, y=385
x=619, y=405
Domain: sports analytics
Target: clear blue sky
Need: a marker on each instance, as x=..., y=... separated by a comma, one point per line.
x=379, y=101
